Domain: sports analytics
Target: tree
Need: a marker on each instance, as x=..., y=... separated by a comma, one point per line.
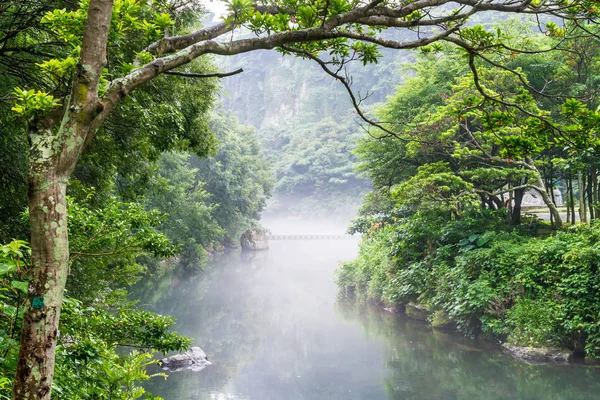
x=59, y=128
x=238, y=178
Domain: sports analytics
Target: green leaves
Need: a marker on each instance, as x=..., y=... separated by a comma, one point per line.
x=574, y=108
x=367, y=52
x=67, y=25
x=20, y=285
x=554, y=31
x=478, y=36
x=6, y=268
x=124, y=326
x=59, y=68
x=434, y=187
x=105, y=243
x=475, y=240
x=239, y=11
x=30, y=103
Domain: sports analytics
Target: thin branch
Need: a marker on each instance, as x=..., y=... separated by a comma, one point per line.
x=215, y=75
x=344, y=80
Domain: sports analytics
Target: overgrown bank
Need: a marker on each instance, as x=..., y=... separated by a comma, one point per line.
x=527, y=290
x=443, y=226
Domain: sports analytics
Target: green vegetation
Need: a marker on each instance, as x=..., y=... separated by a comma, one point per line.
x=115, y=159
x=305, y=122
x=166, y=178
x=443, y=226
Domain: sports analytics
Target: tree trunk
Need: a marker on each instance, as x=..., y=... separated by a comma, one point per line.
x=516, y=213
x=541, y=189
x=592, y=194
x=510, y=201
x=494, y=200
x=581, y=192
x=572, y=197
x=595, y=174
x=484, y=201
x=568, y=200
x=551, y=194
x=590, y=200
x=56, y=144
x=50, y=257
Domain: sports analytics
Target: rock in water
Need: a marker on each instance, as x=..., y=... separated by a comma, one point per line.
x=254, y=239
x=539, y=355
x=416, y=311
x=194, y=359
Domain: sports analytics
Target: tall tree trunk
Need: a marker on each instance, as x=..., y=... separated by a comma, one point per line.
x=541, y=189
x=50, y=257
x=56, y=144
x=590, y=196
x=581, y=192
x=572, y=197
x=551, y=194
x=516, y=213
x=510, y=200
x=568, y=200
x=594, y=193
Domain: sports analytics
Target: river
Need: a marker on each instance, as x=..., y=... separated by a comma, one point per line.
x=274, y=329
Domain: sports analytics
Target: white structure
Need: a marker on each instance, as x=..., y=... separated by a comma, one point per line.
x=532, y=198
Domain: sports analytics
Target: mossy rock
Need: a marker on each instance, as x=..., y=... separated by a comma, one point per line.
x=441, y=320
x=539, y=355
x=417, y=311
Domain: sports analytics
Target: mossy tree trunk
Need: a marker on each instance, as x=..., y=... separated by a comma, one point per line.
x=50, y=255
x=56, y=143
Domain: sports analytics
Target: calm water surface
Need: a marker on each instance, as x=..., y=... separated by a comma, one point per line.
x=273, y=328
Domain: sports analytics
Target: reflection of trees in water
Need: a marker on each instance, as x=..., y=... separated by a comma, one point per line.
x=266, y=322
x=425, y=363
x=214, y=308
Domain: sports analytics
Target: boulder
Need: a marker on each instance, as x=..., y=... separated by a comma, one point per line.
x=416, y=311
x=441, y=320
x=539, y=355
x=254, y=239
x=194, y=359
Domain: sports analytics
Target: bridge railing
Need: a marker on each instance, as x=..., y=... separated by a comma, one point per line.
x=310, y=237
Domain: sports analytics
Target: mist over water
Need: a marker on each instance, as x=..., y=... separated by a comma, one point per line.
x=297, y=225
x=273, y=327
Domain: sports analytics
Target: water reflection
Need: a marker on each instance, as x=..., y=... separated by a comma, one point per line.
x=272, y=327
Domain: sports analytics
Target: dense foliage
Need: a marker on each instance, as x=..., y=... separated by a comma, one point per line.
x=307, y=126
x=444, y=227
x=105, y=144
x=165, y=178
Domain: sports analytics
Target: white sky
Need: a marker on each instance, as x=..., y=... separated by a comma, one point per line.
x=217, y=7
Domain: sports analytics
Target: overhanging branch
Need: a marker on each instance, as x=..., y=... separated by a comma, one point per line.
x=215, y=75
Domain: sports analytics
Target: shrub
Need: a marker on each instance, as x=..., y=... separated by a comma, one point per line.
x=529, y=290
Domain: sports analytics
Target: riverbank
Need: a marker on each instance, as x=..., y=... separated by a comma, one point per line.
x=440, y=321
x=509, y=285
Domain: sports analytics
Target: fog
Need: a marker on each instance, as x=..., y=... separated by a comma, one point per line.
x=305, y=225
x=274, y=328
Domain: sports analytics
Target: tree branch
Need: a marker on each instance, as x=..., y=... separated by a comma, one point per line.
x=215, y=75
